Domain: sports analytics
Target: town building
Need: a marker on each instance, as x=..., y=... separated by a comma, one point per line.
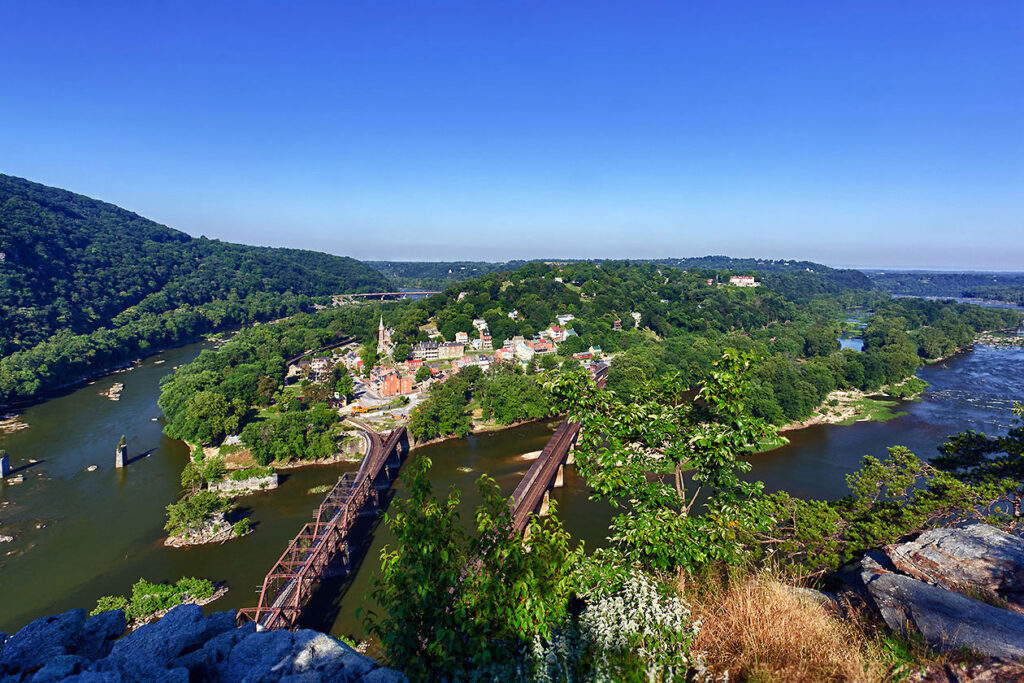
x=321, y=364
x=743, y=281
x=450, y=350
x=564, y=318
x=480, y=324
x=430, y=351
x=527, y=349
x=524, y=351
x=462, y=337
x=394, y=384
x=617, y=326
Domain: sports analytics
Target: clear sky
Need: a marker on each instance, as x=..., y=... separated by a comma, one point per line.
x=851, y=133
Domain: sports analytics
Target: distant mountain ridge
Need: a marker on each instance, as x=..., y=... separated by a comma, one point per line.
x=85, y=284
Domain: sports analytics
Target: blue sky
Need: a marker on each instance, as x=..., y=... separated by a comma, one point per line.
x=851, y=133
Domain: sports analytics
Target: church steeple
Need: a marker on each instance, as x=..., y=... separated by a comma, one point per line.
x=383, y=338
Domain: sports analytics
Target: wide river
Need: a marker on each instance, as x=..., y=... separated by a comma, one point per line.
x=80, y=534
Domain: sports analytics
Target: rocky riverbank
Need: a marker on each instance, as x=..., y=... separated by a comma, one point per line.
x=183, y=646
x=1000, y=339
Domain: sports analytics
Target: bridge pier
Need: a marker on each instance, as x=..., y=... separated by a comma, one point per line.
x=121, y=454
x=560, y=477
x=5, y=464
x=545, y=504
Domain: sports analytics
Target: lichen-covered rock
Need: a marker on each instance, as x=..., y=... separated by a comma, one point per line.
x=150, y=652
x=60, y=669
x=100, y=632
x=183, y=646
x=945, y=619
x=976, y=556
x=44, y=639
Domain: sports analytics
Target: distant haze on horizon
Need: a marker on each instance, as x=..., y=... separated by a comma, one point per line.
x=889, y=134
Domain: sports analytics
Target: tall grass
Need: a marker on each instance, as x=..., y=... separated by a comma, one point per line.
x=758, y=628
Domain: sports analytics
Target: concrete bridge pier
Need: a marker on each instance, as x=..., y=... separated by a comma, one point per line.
x=560, y=477
x=5, y=464
x=545, y=504
x=121, y=454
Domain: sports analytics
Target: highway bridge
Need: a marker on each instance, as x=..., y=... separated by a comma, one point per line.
x=324, y=542
x=339, y=298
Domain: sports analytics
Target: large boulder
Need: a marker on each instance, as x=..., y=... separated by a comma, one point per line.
x=151, y=652
x=945, y=619
x=977, y=556
x=44, y=639
x=185, y=645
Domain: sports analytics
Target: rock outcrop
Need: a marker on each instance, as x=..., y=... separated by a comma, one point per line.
x=946, y=620
x=184, y=646
x=975, y=557
x=952, y=586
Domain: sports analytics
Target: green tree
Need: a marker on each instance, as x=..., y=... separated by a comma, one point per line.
x=889, y=499
x=455, y=603
x=662, y=432
x=190, y=514
x=993, y=462
x=423, y=374
x=368, y=354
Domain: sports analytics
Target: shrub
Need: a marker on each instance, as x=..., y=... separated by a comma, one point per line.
x=242, y=527
x=251, y=473
x=197, y=589
x=193, y=512
x=640, y=628
x=148, y=598
x=109, y=603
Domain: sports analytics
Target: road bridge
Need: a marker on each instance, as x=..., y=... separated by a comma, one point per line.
x=384, y=295
x=293, y=578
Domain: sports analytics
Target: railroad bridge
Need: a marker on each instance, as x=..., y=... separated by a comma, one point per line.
x=324, y=541
x=532, y=496
x=288, y=586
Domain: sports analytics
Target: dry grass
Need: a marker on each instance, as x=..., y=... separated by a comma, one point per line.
x=758, y=629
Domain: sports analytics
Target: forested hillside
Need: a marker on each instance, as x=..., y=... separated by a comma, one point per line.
x=84, y=283
x=1007, y=287
x=791, y=322
x=796, y=277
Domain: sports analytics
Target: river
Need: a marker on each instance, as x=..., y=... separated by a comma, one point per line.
x=101, y=531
